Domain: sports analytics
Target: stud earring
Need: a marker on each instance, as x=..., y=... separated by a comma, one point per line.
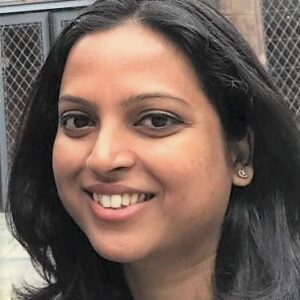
x=243, y=174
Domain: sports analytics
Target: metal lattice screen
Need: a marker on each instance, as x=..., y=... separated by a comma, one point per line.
x=22, y=54
x=282, y=38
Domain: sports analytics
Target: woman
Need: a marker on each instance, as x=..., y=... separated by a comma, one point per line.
x=157, y=161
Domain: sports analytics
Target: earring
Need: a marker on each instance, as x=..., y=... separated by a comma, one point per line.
x=243, y=174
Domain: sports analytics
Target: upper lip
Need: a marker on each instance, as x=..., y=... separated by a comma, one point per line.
x=113, y=189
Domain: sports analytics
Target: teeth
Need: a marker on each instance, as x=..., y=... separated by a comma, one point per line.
x=142, y=197
x=105, y=201
x=125, y=199
x=95, y=197
x=117, y=201
x=134, y=198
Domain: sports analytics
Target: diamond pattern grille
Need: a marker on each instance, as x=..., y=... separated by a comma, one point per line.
x=22, y=57
x=282, y=38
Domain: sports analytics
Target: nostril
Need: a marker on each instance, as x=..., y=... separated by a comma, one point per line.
x=109, y=165
x=119, y=168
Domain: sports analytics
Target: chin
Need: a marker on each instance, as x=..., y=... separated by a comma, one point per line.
x=119, y=254
x=117, y=258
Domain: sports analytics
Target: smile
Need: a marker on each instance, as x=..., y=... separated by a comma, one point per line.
x=119, y=201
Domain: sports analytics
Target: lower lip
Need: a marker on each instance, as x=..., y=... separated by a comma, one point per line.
x=118, y=215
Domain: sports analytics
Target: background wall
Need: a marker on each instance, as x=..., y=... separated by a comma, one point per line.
x=246, y=15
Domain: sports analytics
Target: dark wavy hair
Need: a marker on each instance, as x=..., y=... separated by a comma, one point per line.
x=258, y=256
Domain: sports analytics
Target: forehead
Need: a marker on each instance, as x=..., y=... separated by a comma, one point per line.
x=125, y=45
x=130, y=39
x=128, y=59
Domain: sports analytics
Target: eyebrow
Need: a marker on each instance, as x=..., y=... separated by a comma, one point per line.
x=77, y=100
x=147, y=96
x=126, y=102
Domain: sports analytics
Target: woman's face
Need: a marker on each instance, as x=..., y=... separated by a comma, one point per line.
x=134, y=125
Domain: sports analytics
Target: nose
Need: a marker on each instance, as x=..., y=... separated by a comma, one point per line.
x=112, y=152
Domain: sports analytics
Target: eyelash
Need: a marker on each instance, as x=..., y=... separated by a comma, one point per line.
x=167, y=117
x=73, y=116
x=170, y=122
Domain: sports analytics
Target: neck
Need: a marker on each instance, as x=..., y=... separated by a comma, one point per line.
x=156, y=281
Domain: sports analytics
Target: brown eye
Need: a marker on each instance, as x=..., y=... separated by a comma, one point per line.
x=76, y=124
x=158, y=121
x=75, y=121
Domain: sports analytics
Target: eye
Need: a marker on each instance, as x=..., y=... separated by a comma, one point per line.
x=76, y=120
x=76, y=123
x=158, y=121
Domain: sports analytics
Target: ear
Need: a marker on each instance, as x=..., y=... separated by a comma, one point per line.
x=242, y=164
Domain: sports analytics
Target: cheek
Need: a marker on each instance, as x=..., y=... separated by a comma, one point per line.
x=66, y=162
x=190, y=159
x=195, y=174
x=67, y=153
x=67, y=165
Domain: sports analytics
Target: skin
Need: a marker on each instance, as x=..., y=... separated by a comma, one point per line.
x=168, y=250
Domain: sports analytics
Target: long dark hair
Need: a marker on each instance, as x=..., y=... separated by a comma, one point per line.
x=258, y=256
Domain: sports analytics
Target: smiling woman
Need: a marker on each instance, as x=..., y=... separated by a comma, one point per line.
x=128, y=149
x=153, y=162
